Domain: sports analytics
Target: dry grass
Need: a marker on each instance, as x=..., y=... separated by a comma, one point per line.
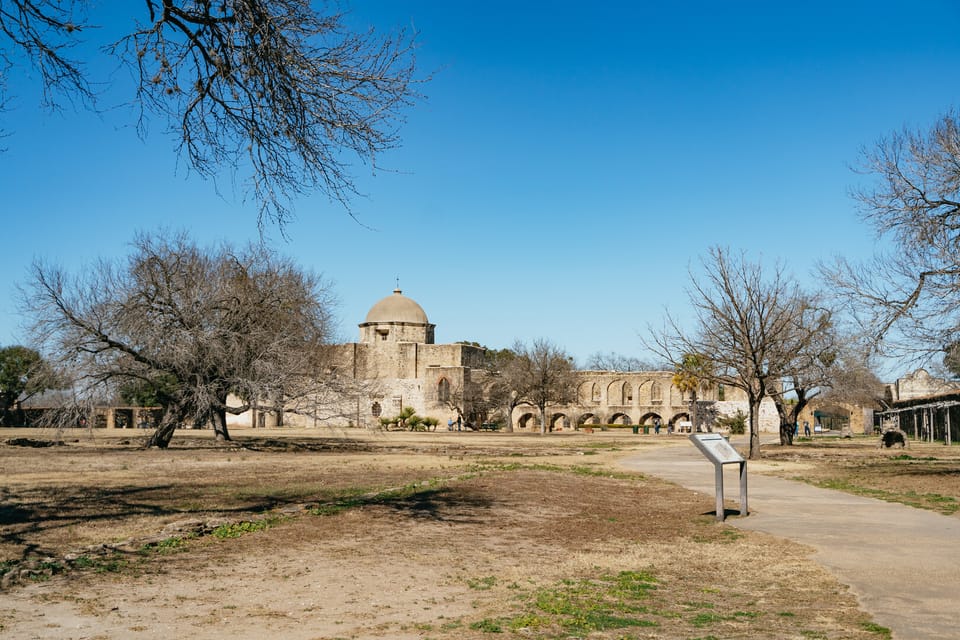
x=923, y=475
x=395, y=536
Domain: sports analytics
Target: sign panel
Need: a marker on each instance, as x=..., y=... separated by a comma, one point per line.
x=718, y=450
x=716, y=447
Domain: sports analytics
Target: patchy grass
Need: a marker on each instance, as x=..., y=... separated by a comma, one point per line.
x=444, y=536
x=926, y=478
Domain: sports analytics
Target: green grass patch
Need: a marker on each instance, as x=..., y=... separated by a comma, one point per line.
x=487, y=625
x=237, y=529
x=883, y=632
x=173, y=544
x=482, y=584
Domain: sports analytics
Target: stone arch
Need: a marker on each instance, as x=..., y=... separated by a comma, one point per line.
x=584, y=392
x=620, y=418
x=680, y=417
x=595, y=393
x=615, y=393
x=648, y=418
x=656, y=392
x=527, y=421
x=627, y=392
x=443, y=390
x=588, y=419
x=559, y=422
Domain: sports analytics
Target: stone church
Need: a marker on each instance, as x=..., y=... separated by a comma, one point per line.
x=396, y=364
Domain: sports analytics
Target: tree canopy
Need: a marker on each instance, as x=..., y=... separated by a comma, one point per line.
x=273, y=90
x=23, y=373
x=188, y=326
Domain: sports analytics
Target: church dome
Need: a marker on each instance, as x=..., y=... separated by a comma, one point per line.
x=396, y=308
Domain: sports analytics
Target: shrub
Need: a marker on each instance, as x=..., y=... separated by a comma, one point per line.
x=737, y=423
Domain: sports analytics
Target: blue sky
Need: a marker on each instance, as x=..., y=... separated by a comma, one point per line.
x=569, y=164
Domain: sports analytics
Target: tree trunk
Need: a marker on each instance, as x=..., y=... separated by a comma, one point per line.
x=786, y=432
x=693, y=412
x=754, y=429
x=164, y=432
x=543, y=419
x=786, y=423
x=220, y=425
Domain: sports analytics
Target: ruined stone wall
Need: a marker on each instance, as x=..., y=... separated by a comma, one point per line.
x=921, y=384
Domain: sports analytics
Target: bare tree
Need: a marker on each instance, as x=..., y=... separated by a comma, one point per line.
x=275, y=90
x=540, y=374
x=197, y=324
x=806, y=361
x=742, y=323
x=499, y=394
x=909, y=298
x=852, y=380
x=617, y=362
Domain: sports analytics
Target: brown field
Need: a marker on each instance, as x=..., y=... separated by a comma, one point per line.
x=312, y=534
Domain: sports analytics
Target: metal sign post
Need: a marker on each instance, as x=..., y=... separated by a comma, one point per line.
x=716, y=448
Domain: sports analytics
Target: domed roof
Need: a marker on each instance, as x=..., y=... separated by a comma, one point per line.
x=396, y=308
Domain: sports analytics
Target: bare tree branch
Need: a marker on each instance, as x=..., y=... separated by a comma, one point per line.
x=909, y=297
x=277, y=91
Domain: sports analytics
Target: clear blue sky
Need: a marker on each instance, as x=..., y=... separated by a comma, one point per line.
x=569, y=163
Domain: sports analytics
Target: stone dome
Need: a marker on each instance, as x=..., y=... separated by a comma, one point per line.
x=396, y=308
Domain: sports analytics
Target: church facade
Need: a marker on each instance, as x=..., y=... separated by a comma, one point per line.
x=396, y=364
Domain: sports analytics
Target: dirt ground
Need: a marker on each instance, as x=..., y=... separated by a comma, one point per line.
x=323, y=535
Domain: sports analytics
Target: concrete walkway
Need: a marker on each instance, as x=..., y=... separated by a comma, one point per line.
x=902, y=563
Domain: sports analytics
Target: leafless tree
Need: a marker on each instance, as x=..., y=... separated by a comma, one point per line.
x=806, y=360
x=908, y=299
x=540, y=374
x=852, y=377
x=199, y=324
x=275, y=90
x=617, y=362
x=742, y=323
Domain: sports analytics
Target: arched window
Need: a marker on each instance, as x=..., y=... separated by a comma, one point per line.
x=627, y=392
x=595, y=394
x=443, y=390
x=376, y=410
x=656, y=393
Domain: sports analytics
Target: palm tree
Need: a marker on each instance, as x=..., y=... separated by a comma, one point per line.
x=690, y=373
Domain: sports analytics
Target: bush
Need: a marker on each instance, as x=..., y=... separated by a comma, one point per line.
x=737, y=423
x=408, y=419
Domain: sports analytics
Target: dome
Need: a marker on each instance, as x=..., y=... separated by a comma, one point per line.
x=396, y=308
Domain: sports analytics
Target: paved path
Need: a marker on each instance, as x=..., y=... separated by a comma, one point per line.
x=902, y=563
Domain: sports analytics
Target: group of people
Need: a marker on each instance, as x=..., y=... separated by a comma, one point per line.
x=459, y=423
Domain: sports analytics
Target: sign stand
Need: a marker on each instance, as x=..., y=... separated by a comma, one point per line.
x=716, y=448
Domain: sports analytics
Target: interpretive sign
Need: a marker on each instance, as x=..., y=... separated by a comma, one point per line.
x=719, y=451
